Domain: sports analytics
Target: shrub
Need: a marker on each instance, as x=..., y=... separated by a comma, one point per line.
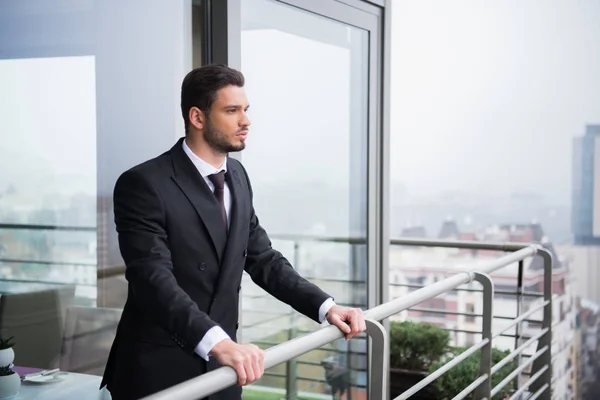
x=416, y=346
x=462, y=375
x=6, y=343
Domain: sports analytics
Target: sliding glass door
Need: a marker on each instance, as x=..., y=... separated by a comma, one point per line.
x=311, y=79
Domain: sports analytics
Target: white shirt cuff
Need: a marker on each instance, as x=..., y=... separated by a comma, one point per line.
x=214, y=335
x=327, y=304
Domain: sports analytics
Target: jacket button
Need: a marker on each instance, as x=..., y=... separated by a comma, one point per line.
x=237, y=325
x=202, y=266
x=246, y=253
x=239, y=288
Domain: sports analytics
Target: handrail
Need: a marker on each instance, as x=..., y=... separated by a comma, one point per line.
x=224, y=377
x=45, y=262
x=444, y=243
x=40, y=227
x=456, y=244
x=109, y=272
x=460, y=244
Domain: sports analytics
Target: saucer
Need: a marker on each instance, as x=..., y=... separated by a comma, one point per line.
x=46, y=379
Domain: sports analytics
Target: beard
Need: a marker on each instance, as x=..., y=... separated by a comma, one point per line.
x=219, y=141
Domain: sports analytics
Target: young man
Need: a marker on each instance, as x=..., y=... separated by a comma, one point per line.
x=187, y=230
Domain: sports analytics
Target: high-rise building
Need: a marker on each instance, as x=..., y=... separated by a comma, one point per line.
x=586, y=187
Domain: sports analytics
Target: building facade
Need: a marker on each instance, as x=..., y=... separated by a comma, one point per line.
x=586, y=187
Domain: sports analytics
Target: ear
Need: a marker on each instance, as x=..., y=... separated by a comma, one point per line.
x=197, y=118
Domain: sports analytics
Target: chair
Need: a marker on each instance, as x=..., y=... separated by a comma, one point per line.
x=88, y=336
x=36, y=320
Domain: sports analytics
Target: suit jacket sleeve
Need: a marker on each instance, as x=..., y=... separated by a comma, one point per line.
x=270, y=270
x=140, y=217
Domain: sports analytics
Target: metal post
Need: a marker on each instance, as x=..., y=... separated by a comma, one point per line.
x=484, y=391
x=291, y=367
x=349, y=368
x=546, y=340
x=379, y=370
x=355, y=275
x=518, y=382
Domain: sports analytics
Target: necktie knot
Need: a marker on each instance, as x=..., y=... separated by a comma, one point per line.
x=218, y=180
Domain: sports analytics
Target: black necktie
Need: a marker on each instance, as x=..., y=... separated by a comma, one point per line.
x=218, y=180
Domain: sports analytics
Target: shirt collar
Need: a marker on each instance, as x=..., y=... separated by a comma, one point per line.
x=203, y=167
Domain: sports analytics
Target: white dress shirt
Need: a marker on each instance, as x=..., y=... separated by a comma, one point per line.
x=217, y=334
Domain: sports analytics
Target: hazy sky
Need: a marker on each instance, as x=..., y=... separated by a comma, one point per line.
x=48, y=124
x=492, y=90
x=486, y=98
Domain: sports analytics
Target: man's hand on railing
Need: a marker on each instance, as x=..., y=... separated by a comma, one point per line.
x=349, y=320
x=247, y=360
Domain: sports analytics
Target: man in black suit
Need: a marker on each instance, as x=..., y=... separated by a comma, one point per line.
x=187, y=230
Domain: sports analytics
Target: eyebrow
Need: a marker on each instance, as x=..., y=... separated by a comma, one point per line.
x=236, y=106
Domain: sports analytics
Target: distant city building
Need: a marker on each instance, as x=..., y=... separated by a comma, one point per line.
x=585, y=213
x=449, y=229
x=584, y=264
x=584, y=252
x=588, y=323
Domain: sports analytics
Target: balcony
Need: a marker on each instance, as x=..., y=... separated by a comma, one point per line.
x=532, y=375
x=533, y=347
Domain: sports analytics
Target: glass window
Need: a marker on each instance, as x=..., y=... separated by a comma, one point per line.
x=307, y=81
x=48, y=200
x=87, y=90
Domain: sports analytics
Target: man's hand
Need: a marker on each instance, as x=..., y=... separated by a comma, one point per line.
x=247, y=360
x=349, y=320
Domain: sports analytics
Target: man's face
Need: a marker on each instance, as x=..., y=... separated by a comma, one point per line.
x=227, y=124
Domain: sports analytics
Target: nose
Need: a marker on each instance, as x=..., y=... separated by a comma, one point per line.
x=245, y=121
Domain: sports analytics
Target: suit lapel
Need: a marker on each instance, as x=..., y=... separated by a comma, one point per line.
x=191, y=183
x=235, y=225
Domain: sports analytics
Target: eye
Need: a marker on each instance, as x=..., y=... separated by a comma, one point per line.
x=231, y=111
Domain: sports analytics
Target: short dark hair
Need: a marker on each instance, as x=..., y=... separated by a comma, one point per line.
x=200, y=87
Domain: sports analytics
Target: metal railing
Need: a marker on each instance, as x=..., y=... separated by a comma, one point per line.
x=538, y=384
x=41, y=227
x=478, y=275
x=42, y=280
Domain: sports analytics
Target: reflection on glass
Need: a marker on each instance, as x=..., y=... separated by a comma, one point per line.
x=87, y=90
x=306, y=78
x=48, y=201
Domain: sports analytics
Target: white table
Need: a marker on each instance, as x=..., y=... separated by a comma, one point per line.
x=73, y=387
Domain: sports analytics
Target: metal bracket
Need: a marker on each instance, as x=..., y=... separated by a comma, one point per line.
x=485, y=367
x=378, y=385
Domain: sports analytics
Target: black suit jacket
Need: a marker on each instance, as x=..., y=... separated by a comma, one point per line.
x=184, y=272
